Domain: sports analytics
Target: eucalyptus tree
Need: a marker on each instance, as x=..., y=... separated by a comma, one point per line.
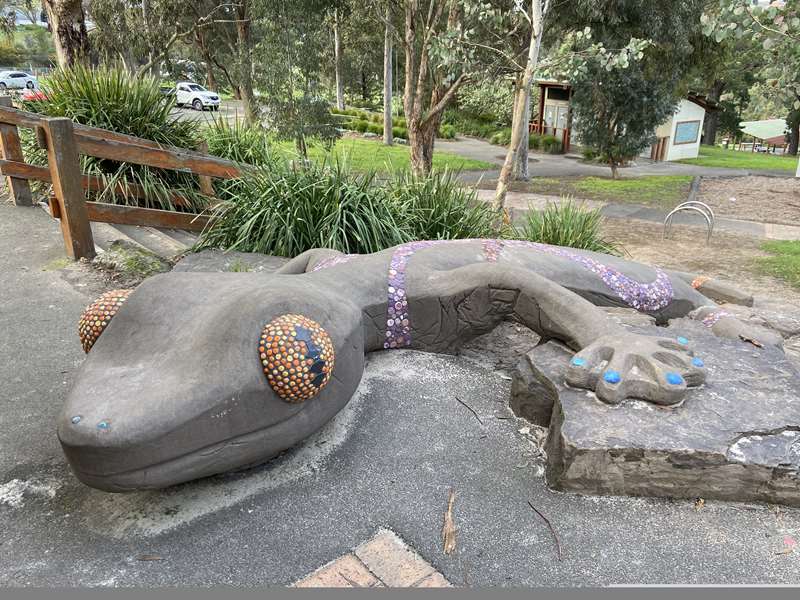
x=67, y=22
x=776, y=27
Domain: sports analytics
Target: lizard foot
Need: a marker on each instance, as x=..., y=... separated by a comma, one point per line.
x=628, y=365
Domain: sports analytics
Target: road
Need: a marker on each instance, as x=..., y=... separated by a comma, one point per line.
x=231, y=110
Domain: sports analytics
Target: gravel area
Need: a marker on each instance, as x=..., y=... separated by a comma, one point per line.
x=728, y=256
x=763, y=199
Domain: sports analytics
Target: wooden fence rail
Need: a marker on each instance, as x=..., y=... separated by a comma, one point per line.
x=65, y=141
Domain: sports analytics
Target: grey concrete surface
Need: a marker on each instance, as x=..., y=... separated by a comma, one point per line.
x=559, y=165
x=387, y=460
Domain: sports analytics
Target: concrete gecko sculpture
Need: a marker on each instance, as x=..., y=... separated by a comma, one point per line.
x=201, y=373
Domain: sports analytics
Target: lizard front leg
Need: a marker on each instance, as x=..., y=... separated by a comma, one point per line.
x=612, y=361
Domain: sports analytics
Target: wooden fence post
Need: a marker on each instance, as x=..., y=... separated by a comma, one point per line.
x=206, y=185
x=65, y=173
x=10, y=147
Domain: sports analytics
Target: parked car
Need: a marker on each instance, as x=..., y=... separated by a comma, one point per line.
x=196, y=96
x=10, y=80
x=33, y=95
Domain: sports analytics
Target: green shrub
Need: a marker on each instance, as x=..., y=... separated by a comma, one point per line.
x=589, y=153
x=400, y=132
x=376, y=128
x=116, y=100
x=534, y=141
x=399, y=122
x=551, y=144
x=437, y=207
x=360, y=125
x=376, y=118
x=502, y=137
x=285, y=210
x=570, y=225
x=447, y=132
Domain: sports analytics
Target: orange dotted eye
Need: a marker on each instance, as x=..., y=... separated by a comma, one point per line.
x=97, y=316
x=301, y=360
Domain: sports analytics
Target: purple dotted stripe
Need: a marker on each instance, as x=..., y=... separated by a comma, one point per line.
x=711, y=318
x=641, y=296
x=333, y=261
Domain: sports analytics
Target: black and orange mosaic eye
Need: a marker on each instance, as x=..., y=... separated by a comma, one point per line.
x=97, y=316
x=297, y=356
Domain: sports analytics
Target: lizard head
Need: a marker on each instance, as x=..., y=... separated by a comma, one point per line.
x=194, y=374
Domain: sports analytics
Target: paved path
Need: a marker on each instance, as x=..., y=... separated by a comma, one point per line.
x=572, y=165
x=388, y=460
x=519, y=202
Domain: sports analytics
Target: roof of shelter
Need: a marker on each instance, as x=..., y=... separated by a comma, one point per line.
x=766, y=129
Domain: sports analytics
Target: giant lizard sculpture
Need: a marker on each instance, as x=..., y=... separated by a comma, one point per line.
x=200, y=373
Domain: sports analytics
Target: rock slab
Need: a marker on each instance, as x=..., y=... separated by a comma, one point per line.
x=735, y=438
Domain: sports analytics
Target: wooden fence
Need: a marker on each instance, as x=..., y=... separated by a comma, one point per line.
x=65, y=141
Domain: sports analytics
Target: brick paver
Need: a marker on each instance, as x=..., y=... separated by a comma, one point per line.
x=382, y=561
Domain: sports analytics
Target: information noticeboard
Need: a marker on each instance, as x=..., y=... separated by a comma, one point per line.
x=686, y=132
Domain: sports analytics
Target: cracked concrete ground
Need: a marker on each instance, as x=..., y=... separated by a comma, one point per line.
x=387, y=461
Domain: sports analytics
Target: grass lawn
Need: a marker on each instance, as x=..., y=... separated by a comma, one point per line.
x=663, y=191
x=372, y=155
x=714, y=156
x=784, y=262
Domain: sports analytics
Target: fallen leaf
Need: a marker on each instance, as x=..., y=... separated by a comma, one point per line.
x=449, y=527
x=149, y=557
x=755, y=343
x=699, y=504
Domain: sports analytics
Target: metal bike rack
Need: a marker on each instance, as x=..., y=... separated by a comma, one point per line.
x=691, y=206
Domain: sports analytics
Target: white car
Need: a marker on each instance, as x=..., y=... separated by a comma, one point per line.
x=10, y=80
x=196, y=96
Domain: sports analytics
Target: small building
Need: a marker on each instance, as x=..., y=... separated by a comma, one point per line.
x=676, y=139
x=679, y=136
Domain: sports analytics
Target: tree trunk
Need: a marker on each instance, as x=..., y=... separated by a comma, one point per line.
x=518, y=124
x=388, y=136
x=337, y=61
x=794, y=138
x=614, y=169
x=521, y=168
x=712, y=117
x=68, y=26
x=423, y=123
x=245, y=62
x=211, y=81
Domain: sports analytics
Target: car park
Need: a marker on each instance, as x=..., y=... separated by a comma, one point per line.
x=196, y=96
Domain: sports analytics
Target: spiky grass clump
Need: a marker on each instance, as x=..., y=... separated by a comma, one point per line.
x=437, y=207
x=287, y=208
x=246, y=144
x=115, y=100
x=568, y=224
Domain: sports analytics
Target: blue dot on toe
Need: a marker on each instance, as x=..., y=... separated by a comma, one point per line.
x=674, y=379
x=698, y=362
x=103, y=425
x=76, y=419
x=682, y=340
x=578, y=361
x=612, y=377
